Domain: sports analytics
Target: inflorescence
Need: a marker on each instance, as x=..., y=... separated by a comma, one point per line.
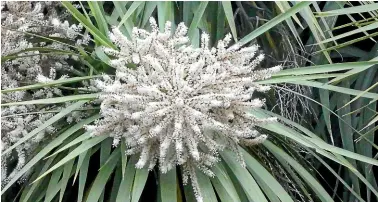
x=180, y=105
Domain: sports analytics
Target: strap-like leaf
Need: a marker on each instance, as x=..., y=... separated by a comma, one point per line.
x=103, y=176
x=52, y=120
x=56, y=100
x=168, y=186
x=273, y=22
x=76, y=152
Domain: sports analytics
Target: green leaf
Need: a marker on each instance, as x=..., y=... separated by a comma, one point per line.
x=363, y=92
x=264, y=178
x=375, y=119
x=350, y=42
x=116, y=183
x=106, y=147
x=150, y=7
x=335, y=157
x=206, y=188
x=311, y=142
x=356, y=31
x=350, y=10
x=52, y=120
x=162, y=10
x=324, y=99
x=103, y=176
x=26, y=195
x=98, y=36
x=55, y=100
x=168, y=186
x=316, y=30
x=41, y=50
x=336, y=88
x=197, y=17
x=196, y=39
x=169, y=14
x=220, y=24
x=98, y=13
x=349, y=51
x=54, y=143
x=84, y=10
x=125, y=189
x=79, y=164
x=120, y=10
x=130, y=11
x=76, y=152
x=230, y=18
x=103, y=57
x=123, y=157
x=139, y=183
x=213, y=7
x=344, y=152
x=52, y=83
x=285, y=79
x=325, y=68
x=66, y=176
x=337, y=176
x=223, y=184
x=77, y=140
x=341, y=160
x=284, y=6
x=105, y=150
x=187, y=14
x=250, y=187
x=83, y=173
x=273, y=22
x=53, y=187
x=353, y=71
x=238, y=187
x=283, y=157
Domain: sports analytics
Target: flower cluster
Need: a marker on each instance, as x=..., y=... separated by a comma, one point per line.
x=23, y=64
x=180, y=105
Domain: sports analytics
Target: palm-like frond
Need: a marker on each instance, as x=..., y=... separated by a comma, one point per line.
x=344, y=95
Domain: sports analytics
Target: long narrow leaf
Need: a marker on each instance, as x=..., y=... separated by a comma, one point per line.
x=168, y=186
x=223, y=184
x=271, y=23
x=98, y=13
x=52, y=83
x=55, y=100
x=52, y=120
x=325, y=68
x=130, y=11
x=264, y=177
x=139, y=183
x=283, y=157
x=104, y=40
x=197, y=17
x=350, y=10
x=251, y=188
x=336, y=89
x=125, y=189
x=103, y=176
x=76, y=152
x=230, y=18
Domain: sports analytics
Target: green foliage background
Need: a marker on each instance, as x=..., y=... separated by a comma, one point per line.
x=329, y=155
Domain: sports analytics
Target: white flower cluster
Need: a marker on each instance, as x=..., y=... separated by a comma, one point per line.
x=181, y=105
x=27, y=66
x=70, y=32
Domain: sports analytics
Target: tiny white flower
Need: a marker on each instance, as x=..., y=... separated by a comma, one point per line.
x=42, y=79
x=55, y=22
